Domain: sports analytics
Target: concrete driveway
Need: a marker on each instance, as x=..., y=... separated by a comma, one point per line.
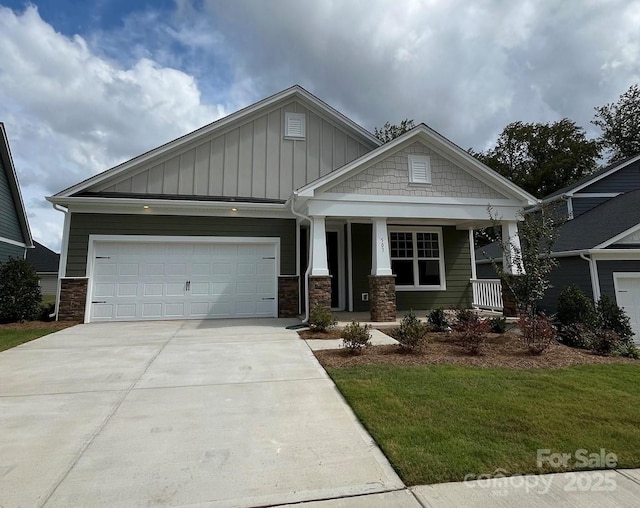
x=198, y=413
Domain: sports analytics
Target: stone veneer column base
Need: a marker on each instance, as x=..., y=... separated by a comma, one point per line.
x=509, y=305
x=288, y=291
x=73, y=299
x=382, y=297
x=319, y=291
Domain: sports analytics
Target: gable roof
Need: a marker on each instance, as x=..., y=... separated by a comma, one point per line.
x=43, y=259
x=12, y=178
x=294, y=92
x=593, y=229
x=592, y=178
x=426, y=134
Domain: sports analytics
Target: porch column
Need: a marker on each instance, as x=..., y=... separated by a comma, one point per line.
x=512, y=254
x=382, y=282
x=319, y=280
x=380, y=257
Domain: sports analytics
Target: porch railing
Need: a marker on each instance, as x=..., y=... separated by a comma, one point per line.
x=487, y=294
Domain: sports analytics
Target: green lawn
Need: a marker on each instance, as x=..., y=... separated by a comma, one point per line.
x=439, y=423
x=12, y=337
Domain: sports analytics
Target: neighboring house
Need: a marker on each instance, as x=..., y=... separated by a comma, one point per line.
x=598, y=249
x=222, y=222
x=45, y=262
x=15, y=236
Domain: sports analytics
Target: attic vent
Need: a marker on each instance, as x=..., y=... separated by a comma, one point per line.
x=294, y=125
x=419, y=169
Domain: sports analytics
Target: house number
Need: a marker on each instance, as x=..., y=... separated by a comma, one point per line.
x=382, y=244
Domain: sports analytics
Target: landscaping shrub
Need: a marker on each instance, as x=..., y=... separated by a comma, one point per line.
x=19, y=291
x=356, y=337
x=438, y=320
x=611, y=317
x=472, y=332
x=576, y=335
x=411, y=334
x=574, y=307
x=464, y=315
x=498, y=324
x=46, y=310
x=321, y=319
x=538, y=333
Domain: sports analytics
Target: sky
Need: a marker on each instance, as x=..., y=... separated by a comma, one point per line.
x=85, y=85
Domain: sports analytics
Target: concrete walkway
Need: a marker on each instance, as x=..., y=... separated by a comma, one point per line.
x=198, y=413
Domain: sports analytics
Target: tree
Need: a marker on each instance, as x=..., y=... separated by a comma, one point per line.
x=620, y=125
x=389, y=132
x=542, y=157
x=19, y=291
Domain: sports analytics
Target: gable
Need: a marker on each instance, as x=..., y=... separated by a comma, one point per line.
x=251, y=154
x=631, y=239
x=623, y=180
x=9, y=222
x=390, y=176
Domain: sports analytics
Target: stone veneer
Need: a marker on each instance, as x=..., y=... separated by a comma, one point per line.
x=288, y=296
x=391, y=177
x=319, y=291
x=382, y=297
x=73, y=299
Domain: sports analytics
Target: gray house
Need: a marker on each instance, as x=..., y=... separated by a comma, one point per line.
x=45, y=262
x=15, y=236
x=274, y=209
x=598, y=248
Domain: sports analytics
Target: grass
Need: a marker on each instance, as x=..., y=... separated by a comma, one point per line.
x=11, y=338
x=439, y=423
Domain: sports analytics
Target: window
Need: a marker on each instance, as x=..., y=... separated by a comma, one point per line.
x=419, y=169
x=294, y=125
x=417, y=259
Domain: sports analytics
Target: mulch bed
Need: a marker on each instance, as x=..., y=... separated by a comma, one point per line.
x=38, y=325
x=332, y=334
x=500, y=350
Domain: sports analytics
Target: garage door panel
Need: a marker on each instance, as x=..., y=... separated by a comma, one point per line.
x=628, y=298
x=176, y=281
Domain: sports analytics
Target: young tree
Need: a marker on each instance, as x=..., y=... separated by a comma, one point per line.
x=620, y=125
x=389, y=131
x=542, y=157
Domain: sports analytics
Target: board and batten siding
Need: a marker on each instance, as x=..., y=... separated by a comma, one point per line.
x=457, y=261
x=85, y=224
x=251, y=160
x=9, y=222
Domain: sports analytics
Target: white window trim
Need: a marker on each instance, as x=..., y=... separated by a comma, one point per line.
x=427, y=161
x=288, y=116
x=414, y=230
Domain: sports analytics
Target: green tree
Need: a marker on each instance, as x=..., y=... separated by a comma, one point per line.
x=19, y=291
x=542, y=157
x=620, y=125
x=389, y=131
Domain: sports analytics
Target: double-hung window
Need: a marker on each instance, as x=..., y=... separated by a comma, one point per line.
x=417, y=259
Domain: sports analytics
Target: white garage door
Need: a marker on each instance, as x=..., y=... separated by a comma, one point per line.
x=628, y=297
x=160, y=280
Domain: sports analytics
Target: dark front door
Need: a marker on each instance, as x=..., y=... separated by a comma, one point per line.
x=332, y=259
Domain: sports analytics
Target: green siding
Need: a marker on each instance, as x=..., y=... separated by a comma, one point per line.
x=457, y=272
x=85, y=224
x=8, y=250
x=9, y=223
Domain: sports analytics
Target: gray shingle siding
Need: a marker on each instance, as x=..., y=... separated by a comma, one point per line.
x=85, y=224
x=9, y=223
x=623, y=180
x=605, y=274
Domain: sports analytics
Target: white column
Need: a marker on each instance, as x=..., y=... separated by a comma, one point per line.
x=380, y=258
x=472, y=253
x=319, y=265
x=512, y=253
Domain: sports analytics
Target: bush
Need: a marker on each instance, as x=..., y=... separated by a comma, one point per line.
x=438, y=320
x=538, y=333
x=411, y=334
x=321, y=319
x=576, y=335
x=606, y=342
x=465, y=315
x=46, y=310
x=611, y=317
x=498, y=324
x=19, y=291
x=472, y=332
x=356, y=337
x=574, y=307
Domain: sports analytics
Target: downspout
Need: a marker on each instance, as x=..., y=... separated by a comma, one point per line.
x=309, y=264
x=593, y=271
x=64, y=247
